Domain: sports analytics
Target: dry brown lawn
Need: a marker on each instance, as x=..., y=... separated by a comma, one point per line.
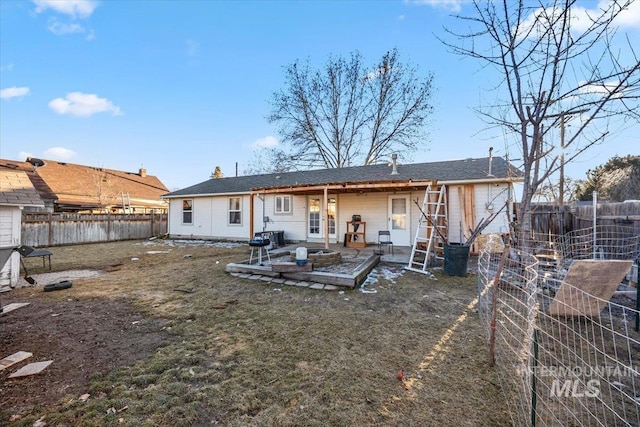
x=171, y=339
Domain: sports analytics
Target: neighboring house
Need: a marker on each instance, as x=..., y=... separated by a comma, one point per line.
x=16, y=193
x=67, y=187
x=317, y=205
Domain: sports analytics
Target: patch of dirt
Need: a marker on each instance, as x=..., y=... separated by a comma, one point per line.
x=81, y=336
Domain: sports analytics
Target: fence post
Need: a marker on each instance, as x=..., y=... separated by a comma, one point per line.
x=108, y=226
x=50, y=231
x=638, y=296
x=534, y=392
x=152, y=218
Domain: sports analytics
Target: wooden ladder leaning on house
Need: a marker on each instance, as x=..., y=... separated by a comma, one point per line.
x=428, y=244
x=126, y=203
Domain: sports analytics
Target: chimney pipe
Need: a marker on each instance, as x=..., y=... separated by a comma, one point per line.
x=490, y=160
x=394, y=164
x=142, y=172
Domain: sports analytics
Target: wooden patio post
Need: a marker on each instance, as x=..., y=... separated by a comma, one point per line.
x=326, y=217
x=251, y=215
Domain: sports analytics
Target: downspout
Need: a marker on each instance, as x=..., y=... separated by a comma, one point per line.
x=326, y=217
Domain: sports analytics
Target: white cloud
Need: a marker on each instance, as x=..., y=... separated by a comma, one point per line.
x=582, y=18
x=83, y=105
x=192, y=47
x=60, y=28
x=59, y=153
x=604, y=89
x=630, y=17
x=450, y=5
x=13, y=92
x=266, y=142
x=73, y=8
x=24, y=155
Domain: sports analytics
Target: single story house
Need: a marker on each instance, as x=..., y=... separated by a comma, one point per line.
x=68, y=187
x=319, y=205
x=16, y=193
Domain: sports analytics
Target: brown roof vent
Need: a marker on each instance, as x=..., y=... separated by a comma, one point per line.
x=142, y=172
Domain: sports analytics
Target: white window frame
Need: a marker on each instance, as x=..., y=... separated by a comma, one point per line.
x=282, y=198
x=230, y=211
x=190, y=211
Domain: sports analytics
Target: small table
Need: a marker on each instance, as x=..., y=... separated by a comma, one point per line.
x=356, y=239
x=41, y=253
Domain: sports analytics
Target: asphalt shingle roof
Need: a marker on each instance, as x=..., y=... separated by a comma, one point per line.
x=16, y=189
x=453, y=170
x=74, y=184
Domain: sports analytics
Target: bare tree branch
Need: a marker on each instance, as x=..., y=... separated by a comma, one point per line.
x=552, y=66
x=346, y=113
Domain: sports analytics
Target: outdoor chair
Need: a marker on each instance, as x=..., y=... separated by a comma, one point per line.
x=384, y=239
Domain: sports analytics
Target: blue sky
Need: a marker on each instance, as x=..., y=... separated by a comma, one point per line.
x=179, y=87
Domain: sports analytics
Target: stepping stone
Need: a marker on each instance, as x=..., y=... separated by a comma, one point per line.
x=291, y=283
x=244, y=276
x=317, y=286
x=254, y=276
x=278, y=280
x=302, y=284
x=14, y=358
x=266, y=278
x=330, y=288
x=31, y=369
x=13, y=306
x=235, y=274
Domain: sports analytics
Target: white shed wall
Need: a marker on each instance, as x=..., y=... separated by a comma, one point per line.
x=10, y=220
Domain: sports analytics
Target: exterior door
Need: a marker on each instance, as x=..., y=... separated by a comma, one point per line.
x=315, y=220
x=399, y=220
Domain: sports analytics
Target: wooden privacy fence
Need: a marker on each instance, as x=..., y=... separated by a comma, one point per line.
x=558, y=220
x=72, y=228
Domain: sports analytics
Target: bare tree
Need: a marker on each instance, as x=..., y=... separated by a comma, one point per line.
x=346, y=113
x=549, y=191
x=104, y=188
x=554, y=61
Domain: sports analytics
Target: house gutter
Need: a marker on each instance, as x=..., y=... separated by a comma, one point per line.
x=345, y=186
x=481, y=181
x=182, y=196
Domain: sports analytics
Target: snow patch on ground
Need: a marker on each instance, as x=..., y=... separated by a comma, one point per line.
x=387, y=273
x=193, y=243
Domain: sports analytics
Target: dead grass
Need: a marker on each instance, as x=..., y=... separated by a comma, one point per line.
x=280, y=355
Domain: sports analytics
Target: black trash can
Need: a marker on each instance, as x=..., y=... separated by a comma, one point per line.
x=456, y=258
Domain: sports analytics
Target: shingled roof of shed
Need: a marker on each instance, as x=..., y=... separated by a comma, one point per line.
x=16, y=189
x=453, y=170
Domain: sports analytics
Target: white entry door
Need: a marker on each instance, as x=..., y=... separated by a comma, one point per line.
x=400, y=219
x=316, y=217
